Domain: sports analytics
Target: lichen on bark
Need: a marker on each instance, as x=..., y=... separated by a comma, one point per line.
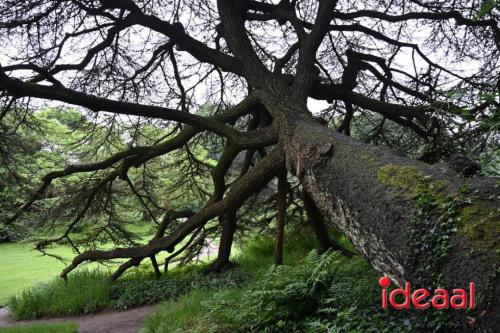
x=480, y=225
x=438, y=216
x=409, y=179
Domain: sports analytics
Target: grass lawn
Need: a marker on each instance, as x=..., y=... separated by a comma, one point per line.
x=22, y=267
x=45, y=328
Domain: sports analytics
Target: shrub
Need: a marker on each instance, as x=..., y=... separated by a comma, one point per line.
x=322, y=293
x=141, y=289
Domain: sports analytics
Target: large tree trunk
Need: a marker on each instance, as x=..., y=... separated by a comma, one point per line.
x=372, y=195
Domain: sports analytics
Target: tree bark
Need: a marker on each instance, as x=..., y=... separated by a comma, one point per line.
x=226, y=242
x=280, y=218
x=320, y=228
x=155, y=266
x=316, y=219
x=356, y=185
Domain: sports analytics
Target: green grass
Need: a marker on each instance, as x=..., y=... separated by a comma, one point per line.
x=84, y=292
x=88, y=291
x=189, y=312
x=39, y=328
x=179, y=314
x=311, y=293
x=23, y=267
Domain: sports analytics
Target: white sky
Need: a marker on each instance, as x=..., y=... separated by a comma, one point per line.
x=403, y=60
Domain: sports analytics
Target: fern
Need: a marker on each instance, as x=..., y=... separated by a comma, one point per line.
x=283, y=295
x=325, y=293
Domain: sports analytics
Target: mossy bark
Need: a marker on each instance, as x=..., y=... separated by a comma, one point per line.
x=371, y=195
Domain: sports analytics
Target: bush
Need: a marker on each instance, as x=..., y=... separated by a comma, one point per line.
x=322, y=293
x=141, y=289
x=253, y=262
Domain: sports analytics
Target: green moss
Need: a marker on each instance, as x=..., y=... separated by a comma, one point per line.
x=368, y=158
x=480, y=224
x=409, y=179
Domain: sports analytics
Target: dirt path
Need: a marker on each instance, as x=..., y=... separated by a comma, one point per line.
x=107, y=321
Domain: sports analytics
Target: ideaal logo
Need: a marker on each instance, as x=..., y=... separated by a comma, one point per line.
x=440, y=299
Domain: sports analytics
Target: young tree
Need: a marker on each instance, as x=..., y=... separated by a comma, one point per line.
x=397, y=64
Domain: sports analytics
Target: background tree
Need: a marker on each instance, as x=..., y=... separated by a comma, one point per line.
x=393, y=74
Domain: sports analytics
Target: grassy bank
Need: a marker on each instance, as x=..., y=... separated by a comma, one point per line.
x=23, y=267
x=88, y=291
x=39, y=328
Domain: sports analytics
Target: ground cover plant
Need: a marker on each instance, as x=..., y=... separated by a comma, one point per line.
x=90, y=291
x=311, y=293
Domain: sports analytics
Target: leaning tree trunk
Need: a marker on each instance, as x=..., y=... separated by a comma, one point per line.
x=412, y=221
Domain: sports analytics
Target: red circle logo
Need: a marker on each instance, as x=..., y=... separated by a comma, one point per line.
x=384, y=282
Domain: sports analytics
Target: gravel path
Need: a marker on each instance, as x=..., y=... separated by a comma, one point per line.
x=107, y=321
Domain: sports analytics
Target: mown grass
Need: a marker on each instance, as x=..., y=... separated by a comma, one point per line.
x=88, y=291
x=23, y=267
x=42, y=328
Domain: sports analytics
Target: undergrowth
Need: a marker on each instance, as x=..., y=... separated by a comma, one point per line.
x=310, y=293
x=313, y=293
x=90, y=291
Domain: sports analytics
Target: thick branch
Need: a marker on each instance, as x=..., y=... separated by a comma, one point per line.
x=240, y=190
x=138, y=155
x=232, y=17
x=20, y=89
